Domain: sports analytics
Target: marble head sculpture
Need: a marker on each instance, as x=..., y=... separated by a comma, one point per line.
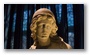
x=43, y=28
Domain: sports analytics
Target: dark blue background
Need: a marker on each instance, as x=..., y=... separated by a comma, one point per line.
x=17, y=19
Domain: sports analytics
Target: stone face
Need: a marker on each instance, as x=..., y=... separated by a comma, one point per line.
x=43, y=28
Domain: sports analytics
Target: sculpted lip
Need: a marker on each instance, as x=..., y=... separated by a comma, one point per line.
x=44, y=34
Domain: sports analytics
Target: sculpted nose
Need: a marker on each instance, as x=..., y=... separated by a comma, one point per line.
x=44, y=29
x=43, y=25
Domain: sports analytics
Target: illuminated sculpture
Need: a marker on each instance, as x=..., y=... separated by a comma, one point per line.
x=43, y=28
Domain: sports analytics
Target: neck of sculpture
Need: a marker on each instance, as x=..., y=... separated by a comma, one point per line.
x=43, y=42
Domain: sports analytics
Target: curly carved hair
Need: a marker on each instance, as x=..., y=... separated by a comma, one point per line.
x=37, y=17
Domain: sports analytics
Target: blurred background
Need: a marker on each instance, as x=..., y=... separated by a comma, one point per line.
x=17, y=20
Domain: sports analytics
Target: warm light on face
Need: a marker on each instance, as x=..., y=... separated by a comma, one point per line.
x=44, y=27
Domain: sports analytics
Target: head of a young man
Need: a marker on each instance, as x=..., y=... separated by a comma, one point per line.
x=43, y=25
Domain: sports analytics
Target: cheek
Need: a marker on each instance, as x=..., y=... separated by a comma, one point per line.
x=49, y=31
x=39, y=31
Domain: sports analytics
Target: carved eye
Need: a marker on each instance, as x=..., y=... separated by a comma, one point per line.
x=40, y=26
x=48, y=27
